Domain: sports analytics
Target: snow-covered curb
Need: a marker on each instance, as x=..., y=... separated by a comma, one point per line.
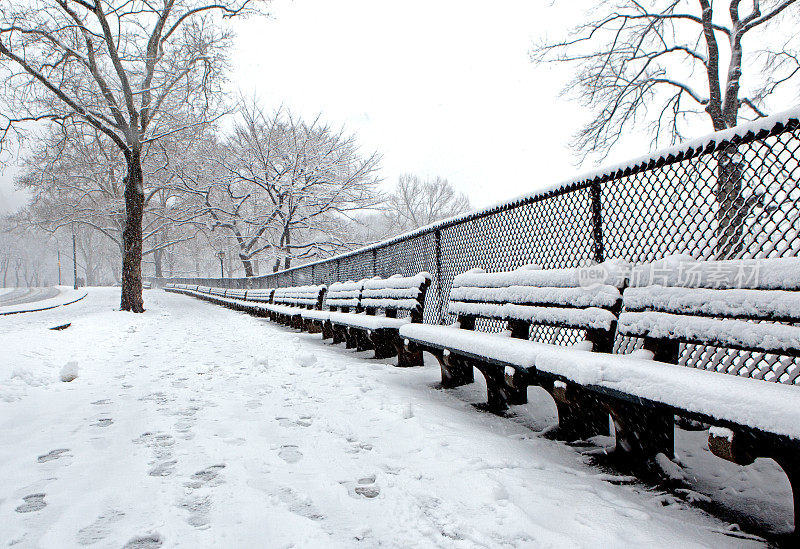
x=65, y=297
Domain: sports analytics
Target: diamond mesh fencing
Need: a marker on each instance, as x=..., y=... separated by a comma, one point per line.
x=729, y=196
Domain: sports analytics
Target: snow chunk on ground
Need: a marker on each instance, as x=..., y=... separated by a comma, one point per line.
x=305, y=359
x=69, y=372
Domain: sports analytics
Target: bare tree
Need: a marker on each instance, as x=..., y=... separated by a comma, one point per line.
x=670, y=62
x=283, y=187
x=416, y=203
x=73, y=178
x=131, y=69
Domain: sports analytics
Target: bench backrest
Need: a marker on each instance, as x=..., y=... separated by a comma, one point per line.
x=343, y=296
x=396, y=293
x=681, y=300
x=309, y=297
x=529, y=296
x=261, y=295
x=235, y=293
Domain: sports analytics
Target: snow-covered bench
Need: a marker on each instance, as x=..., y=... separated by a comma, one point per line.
x=748, y=305
x=288, y=303
x=525, y=298
x=180, y=288
x=340, y=297
x=353, y=314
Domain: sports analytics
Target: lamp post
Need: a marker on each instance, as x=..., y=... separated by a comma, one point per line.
x=74, y=262
x=58, y=253
x=221, y=256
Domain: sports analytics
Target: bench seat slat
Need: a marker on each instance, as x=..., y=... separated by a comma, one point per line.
x=313, y=314
x=282, y=309
x=770, y=407
x=500, y=349
x=591, y=317
x=733, y=303
x=737, y=334
x=366, y=322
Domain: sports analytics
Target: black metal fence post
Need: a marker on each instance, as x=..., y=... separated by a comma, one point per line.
x=437, y=236
x=598, y=251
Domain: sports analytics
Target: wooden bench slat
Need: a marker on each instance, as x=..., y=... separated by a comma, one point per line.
x=777, y=305
x=686, y=272
x=735, y=334
x=595, y=296
x=590, y=317
x=613, y=273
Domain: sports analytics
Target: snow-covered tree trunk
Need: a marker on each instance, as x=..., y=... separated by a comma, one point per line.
x=131, y=299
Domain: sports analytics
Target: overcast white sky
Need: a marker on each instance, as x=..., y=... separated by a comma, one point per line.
x=438, y=88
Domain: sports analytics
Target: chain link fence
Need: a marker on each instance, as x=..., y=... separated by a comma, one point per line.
x=734, y=194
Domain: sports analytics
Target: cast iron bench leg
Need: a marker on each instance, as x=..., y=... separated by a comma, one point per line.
x=350, y=338
x=580, y=414
x=456, y=371
x=642, y=432
x=383, y=342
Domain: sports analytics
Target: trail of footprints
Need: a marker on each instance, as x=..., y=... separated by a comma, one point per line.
x=197, y=501
x=197, y=504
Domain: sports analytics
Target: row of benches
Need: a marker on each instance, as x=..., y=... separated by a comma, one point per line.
x=344, y=312
x=743, y=305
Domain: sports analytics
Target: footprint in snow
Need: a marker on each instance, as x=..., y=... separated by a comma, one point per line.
x=103, y=422
x=149, y=541
x=33, y=503
x=356, y=446
x=299, y=504
x=163, y=469
x=302, y=421
x=52, y=455
x=208, y=475
x=290, y=454
x=160, y=444
x=364, y=487
x=100, y=528
x=198, y=508
x=101, y=402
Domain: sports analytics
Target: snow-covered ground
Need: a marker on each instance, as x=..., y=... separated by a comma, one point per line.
x=195, y=426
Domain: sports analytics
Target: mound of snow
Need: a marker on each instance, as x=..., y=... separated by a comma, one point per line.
x=69, y=372
x=305, y=359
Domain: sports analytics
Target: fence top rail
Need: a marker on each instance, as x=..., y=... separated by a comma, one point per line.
x=744, y=133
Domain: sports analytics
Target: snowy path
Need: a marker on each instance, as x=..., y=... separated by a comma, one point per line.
x=195, y=426
x=39, y=299
x=17, y=296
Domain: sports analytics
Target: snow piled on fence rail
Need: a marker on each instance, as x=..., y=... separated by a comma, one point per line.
x=195, y=426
